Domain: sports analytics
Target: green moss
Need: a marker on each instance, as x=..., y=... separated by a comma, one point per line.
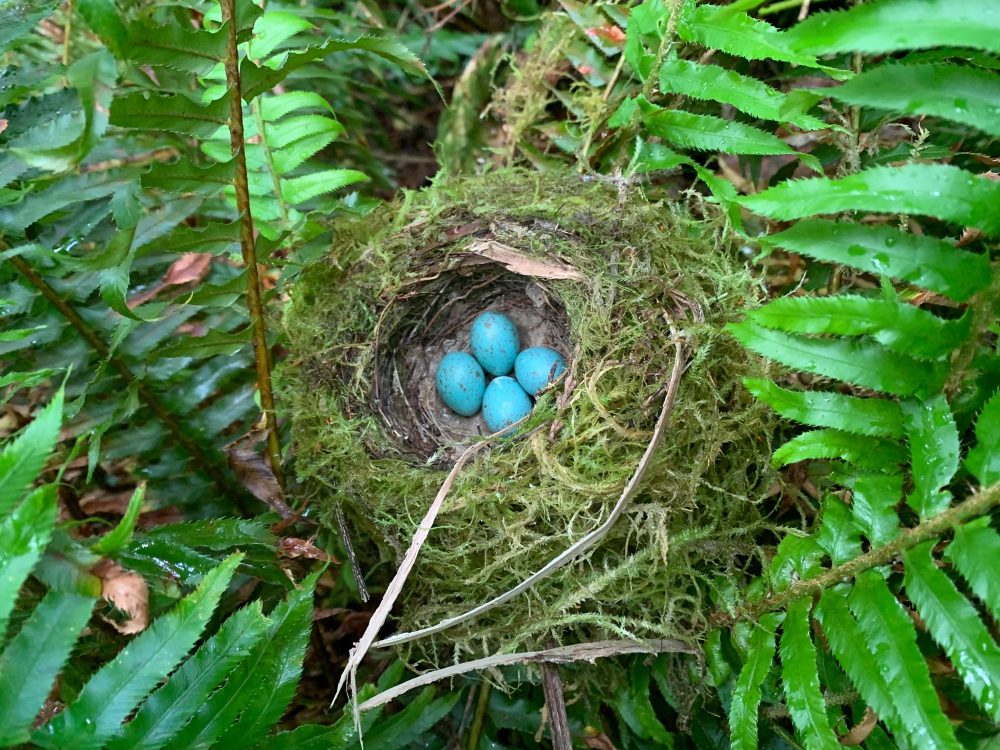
x=392, y=278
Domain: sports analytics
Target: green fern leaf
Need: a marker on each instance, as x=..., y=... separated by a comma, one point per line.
x=934, y=449
x=184, y=177
x=984, y=460
x=215, y=238
x=975, y=542
x=173, y=704
x=298, y=138
x=715, y=83
x=955, y=624
x=871, y=453
x=119, y=538
x=862, y=416
x=635, y=708
x=24, y=535
x=276, y=106
x=902, y=328
x=33, y=659
x=938, y=190
x=925, y=261
x=173, y=46
x=890, y=25
x=863, y=363
x=847, y=643
x=301, y=189
x=117, y=688
x=22, y=459
x=273, y=28
x=174, y=113
x=873, y=505
x=710, y=133
x=954, y=92
x=412, y=723
x=736, y=33
x=837, y=534
x=746, y=697
x=17, y=18
x=892, y=640
x=104, y=19
x=217, y=533
x=339, y=736
x=254, y=697
x=800, y=680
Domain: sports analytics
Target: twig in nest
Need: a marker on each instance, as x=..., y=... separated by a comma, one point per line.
x=556, y=704
x=560, y=655
x=587, y=541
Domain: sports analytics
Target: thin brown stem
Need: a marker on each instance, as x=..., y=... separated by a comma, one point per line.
x=977, y=505
x=200, y=455
x=479, y=718
x=241, y=183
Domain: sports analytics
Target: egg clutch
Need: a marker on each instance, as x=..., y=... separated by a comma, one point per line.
x=460, y=378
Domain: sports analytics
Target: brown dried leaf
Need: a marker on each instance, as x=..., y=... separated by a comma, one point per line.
x=599, y=741
x=254, y=473
x=129, y=593
x=517, y=262
x=293, y=547
x=189, y=267
x=859, y=733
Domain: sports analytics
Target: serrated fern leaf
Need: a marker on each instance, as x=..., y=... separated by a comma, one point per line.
x=800, y=680
x=173, y=46
x=934, y=450
x=892, y=640
x=119, y=537
x=862, y=416
x=888, y=25
x=24, y=535
x=974, y=543
x=746, y=698
x=634, y=707
x=954, y=92
x=184, y=177
x=736, y=33
x=860, y=362
x=33, y=659
x=22, y=459
x=939, y=190
x=955, y=624
x=873, y=505
x=921, y=260
x=866, y=452
x=984, y=460
x=172, y=705
x=216, y=533
x=301, y=189
x=412, y=723
x=838, y=535
x=117, y=688
x=902, y=328
x=174, y=113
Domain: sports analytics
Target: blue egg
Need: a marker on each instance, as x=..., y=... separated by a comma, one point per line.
x=504, y=403
x=536, y=367
x=460, y=383
x=495, y=342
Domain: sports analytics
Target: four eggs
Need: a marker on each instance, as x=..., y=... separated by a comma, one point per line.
x=496, y=350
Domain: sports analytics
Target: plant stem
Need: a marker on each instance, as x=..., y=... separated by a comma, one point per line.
x=146, y=394
x=241, y=183
x=67, y=32
x=479, y=718
x=977, y=505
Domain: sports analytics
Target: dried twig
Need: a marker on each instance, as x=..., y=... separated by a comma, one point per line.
x=555, y=703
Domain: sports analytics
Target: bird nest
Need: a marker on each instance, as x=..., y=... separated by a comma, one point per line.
x=649, y=437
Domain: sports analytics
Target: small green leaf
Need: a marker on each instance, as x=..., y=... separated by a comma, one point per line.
x=33, y=659
x=22, y=459
x=746, y=697
x=212, y=343
x=934, y=449
x=736, y=33
x=955, y=624
x=922, y=260
x=900, y=327
x=215, y=238
x=119, y=538
x=871, y=453
x=273, y=28
x=863, y=363
x=939, y=190
x=635, y=708
x=984, y=460
x=874, y=501
x=800, y=680
x=975, y=542
x=173, y=46
x=837, y=534
x=104, y=19
x=955, y=92
x=184, y=177
x=862, y=416
x=115, y=690
x=217, y=533
x=276, y=106
x=301, y=189
x=18, y=18
x=890, y=25
x=174, y=113
x=797, y=558
x=892, y=639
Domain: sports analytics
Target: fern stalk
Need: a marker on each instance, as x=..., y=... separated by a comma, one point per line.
x=146, y=394
x=241, y=183
x=980, y=503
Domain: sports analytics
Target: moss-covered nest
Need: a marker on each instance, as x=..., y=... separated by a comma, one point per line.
x=600, y=274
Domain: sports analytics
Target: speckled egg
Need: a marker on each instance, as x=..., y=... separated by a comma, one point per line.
x=504, y=403
x=536, y=367
x=495, y=342
x=460, y=383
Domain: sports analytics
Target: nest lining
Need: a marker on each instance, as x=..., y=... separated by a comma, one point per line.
x=368, y=439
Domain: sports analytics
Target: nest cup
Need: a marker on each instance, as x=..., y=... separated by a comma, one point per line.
x=614, y=283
